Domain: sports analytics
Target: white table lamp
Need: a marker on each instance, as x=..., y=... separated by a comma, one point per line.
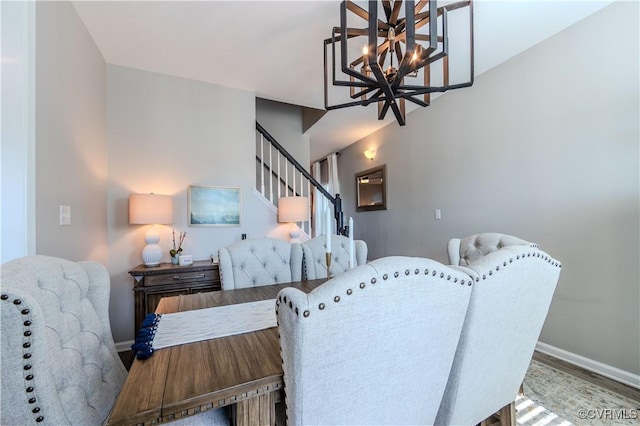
x=151, y=209
x=292, y=210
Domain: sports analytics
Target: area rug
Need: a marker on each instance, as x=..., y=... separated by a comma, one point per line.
x=553, y=397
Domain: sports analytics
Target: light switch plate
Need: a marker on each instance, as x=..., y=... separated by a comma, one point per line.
x=65, y=215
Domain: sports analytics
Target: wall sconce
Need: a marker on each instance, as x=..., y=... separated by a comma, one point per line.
x=151, y=209
x=292, y=210
x=370, y=153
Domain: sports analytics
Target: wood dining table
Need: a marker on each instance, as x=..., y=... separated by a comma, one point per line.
x=243, y=371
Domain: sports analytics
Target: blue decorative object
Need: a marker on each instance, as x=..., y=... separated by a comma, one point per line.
x=143, y=345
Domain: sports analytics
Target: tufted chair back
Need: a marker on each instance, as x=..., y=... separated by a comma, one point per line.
x=314, y=259
x=59, y=363
x=261, y=261
x=373, y=345
x=511, y=295
x=463, y=251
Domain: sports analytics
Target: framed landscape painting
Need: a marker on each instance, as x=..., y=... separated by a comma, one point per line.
x=214, y=206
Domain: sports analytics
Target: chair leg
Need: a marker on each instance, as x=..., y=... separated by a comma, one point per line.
x=508, y=415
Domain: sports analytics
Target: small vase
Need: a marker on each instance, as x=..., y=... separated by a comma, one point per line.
x=175, y=259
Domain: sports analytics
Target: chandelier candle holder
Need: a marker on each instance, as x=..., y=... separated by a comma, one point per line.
x=395, y=46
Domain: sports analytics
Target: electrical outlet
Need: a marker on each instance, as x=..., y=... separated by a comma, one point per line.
x=65, y=215
x=437, y=214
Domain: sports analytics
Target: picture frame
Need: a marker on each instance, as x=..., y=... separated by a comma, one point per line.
x=214, y=206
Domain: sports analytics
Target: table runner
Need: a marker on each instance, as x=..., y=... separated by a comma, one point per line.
x=202, y=324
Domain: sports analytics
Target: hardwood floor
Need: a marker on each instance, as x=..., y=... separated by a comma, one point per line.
x=589, y=376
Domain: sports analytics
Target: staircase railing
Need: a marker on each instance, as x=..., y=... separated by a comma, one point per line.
x=278, y=174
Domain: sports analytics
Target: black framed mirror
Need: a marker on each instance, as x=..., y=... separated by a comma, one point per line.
x=371, y=189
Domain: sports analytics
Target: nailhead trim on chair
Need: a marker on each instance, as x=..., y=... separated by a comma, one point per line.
x=396, y=274
x=28, y=377
x=362, y=286
x=522, y=256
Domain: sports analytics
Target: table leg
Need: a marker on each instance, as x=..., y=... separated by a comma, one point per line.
x=259, y=410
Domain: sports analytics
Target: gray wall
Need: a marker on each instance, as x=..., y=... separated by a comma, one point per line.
x=544, y=147
x=166, y=133
x=71, y=136
x=284, y=123
x=105, y=132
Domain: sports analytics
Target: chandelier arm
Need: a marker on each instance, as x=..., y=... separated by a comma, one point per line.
x=397, y=5
x=416, y=101
x=363, y=92
x=419, y=90
x=453, y=6
x=357, y=10
x=404, y=62
x=366, y=80
x=343, y=48
x=426, y=37
x=386, y=4
x=375, y=67
x=376, y=97
x=345, y=83
x=351, y=33
x=345, y=105
x=383, y=56
x=398, y=52
x=382, y=112
x=420, y=5
x=432, y=59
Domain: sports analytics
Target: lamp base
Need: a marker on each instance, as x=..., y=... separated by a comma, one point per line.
x=152, y=252
x=151, y=255
x=294, y=233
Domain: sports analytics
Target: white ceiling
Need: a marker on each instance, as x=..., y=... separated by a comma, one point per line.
x=274, y=48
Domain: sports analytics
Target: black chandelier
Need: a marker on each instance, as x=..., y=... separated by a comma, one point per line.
x=415, y=41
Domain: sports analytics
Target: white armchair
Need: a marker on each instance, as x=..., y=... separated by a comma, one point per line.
x=261, y=261
x=463, y=251
x=511, y=295
x=59, y=363
x=373, y=345
x=314, y=256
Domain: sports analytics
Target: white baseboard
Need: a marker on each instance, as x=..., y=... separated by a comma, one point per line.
x=124, y=346
x=605, y=370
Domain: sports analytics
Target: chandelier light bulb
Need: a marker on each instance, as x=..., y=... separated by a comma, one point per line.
x=365, y=55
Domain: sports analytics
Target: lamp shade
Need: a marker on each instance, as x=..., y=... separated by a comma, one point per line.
x=293, y=209
x=148, y=209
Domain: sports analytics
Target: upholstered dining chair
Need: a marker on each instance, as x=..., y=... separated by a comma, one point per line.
x=59, y=362
x=314, y=256
x=260, y=261
x=512, y=292
x=463, y=251
x=373, y=345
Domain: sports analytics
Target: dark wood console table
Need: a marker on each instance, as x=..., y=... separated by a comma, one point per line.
x=152, y=284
